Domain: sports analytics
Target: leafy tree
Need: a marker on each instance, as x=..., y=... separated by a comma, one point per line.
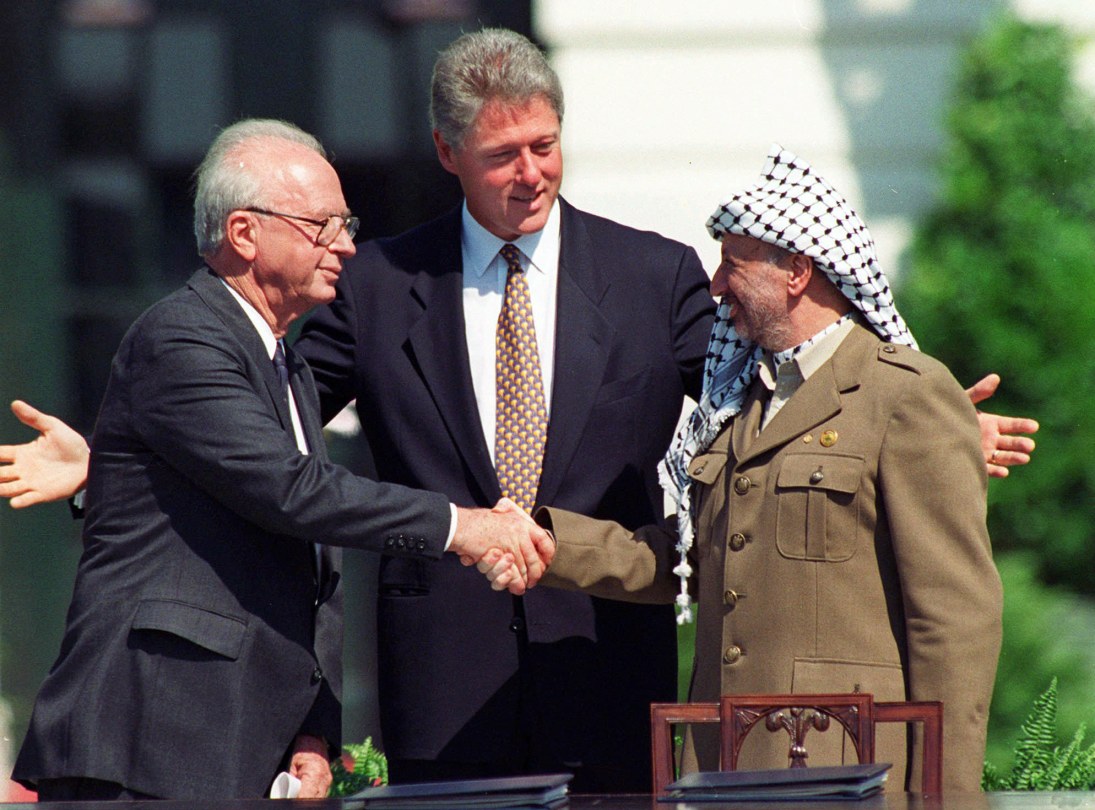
x=1003, y=278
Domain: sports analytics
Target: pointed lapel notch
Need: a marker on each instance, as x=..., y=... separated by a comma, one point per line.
x=583, y=337
x=216, y=296
x=438, y=345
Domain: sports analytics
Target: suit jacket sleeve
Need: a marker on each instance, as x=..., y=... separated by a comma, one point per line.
x=933, y=485
x=691, y=314
x=196, y=402
x=604, y=559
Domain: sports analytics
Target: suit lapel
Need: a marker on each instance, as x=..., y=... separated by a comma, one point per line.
x=304, y=392
x=217, y=297
x=744, y=430
x=582, y=340
x=819, y=398
x=439, y=348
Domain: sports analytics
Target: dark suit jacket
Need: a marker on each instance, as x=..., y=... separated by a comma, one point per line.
x=633, y=320
x=203, y=634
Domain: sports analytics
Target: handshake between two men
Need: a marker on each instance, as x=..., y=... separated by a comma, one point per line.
x=505, y=544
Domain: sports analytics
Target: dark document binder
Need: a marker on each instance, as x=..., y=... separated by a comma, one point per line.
x=548, y=791
x=785, y=784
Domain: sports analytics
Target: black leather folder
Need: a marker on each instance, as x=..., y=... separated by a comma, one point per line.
x=785, y=784
x=511, y=793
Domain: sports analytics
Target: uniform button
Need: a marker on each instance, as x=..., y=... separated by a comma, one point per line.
x=816, y=477
x=737, y=541
x=317, y=675
x=517, y=624
x=421, y=545
x=742, y=484
x=888, y=349
x=730, y=597
x=731, y=654
x=699, y=469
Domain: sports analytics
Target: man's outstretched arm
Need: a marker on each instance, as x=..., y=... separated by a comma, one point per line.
x=1001, y=445
x=53, y=466
x=50, y=468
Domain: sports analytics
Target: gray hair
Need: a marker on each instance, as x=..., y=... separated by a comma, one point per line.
x=493, y=63
x=224, y=186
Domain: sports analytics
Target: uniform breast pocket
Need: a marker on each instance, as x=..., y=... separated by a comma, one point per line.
x=817, y=499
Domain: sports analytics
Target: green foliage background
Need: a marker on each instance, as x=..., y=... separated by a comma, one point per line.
x=1002, y=278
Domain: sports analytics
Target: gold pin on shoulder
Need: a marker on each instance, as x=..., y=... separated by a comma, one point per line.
x=828, y=438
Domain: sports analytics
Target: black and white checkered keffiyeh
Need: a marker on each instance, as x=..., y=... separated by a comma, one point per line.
x=795, y=209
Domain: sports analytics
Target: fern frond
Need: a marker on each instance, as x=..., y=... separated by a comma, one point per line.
x=1079, y=772
x=369, y=768
x=1037, y=742
x=992, y=779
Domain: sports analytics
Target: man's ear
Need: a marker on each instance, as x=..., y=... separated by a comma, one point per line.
x=802, y=270
x=240, y=235
x=444, y=152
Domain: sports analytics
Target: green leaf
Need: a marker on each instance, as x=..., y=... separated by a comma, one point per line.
x=369, y=768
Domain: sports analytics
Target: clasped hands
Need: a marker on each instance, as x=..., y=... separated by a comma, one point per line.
x=505, y=544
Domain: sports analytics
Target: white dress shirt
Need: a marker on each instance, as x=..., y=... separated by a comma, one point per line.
x=484, y=290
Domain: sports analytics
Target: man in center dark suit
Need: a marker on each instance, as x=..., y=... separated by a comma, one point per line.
x=551, y=680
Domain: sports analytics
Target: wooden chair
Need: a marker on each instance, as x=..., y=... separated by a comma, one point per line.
x=797, y=715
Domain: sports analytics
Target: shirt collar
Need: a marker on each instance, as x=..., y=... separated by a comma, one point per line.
x=481, y=247
x=810, y=355
x=260, y=324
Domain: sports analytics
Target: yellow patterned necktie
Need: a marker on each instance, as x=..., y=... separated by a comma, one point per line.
x=521, y=425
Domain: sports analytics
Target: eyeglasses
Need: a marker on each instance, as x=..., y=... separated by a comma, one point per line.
x=329, y=228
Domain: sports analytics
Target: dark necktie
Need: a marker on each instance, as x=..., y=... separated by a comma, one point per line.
x=521, y=425
x=282, y=369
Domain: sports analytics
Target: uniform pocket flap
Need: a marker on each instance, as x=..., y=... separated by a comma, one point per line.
x=820, y=471
x=706, y=467
x=213, y=631
x=884, y=680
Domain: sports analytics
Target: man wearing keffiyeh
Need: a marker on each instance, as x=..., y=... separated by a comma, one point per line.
x=831, y=493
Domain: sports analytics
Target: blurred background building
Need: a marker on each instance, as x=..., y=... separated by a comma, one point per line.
x=106, y=106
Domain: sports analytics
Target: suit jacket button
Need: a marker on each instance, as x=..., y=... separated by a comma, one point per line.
x=421, y=546
x=737, y=541
x=742, y=484
x=731, y=654
x=317, y=675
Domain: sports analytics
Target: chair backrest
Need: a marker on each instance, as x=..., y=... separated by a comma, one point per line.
x=797, y=715
x=663, y=752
